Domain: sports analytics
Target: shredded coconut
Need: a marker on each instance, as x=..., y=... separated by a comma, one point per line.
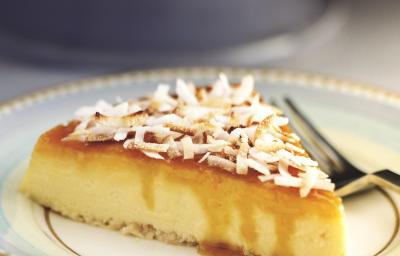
x=261, y=168
x=221, y=162
x=120, y=135
x=265, y=178
x=139, y=134
x=229, y=127
x=152, y=154
x=263, y=157
x=281, y=121
x=188, y=149
x=184, y=93
x=206, y=155
x=155, y=147
x=244, y=91
x=290, y=146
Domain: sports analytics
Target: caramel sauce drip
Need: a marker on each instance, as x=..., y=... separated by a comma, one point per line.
x=218, y=250
x=283, y=229
x=219, y=193
x=218, y=215
x=247, y=226
x=148, y=187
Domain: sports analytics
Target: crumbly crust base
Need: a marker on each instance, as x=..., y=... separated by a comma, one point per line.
x=135, y=229
x=139, y=230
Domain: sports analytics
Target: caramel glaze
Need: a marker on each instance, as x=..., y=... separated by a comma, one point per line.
x=219, y=250
x=219, y=192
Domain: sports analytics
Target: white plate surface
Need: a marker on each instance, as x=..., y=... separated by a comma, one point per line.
x=362, y=122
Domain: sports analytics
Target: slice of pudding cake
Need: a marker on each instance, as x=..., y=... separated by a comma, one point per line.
x=213, y=166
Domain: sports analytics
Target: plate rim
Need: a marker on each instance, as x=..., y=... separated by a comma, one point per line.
x=298, y=78
x=384, y=250
x=283, y=76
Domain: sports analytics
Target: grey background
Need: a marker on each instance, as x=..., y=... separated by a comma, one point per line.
x=366, y=49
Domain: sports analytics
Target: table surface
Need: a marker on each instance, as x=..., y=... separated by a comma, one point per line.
x=366, y=49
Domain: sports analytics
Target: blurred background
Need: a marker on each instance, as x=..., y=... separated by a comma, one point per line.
x=45, y=42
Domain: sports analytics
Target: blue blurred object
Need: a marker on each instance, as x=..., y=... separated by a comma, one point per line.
x=149, y=32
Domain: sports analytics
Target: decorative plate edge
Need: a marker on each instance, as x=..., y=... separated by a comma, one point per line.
x=298, y=78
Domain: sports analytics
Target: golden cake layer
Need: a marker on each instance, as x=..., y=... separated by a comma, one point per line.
x=180, y=201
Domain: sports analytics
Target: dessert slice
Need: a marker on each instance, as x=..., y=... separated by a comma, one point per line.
x=213, y=166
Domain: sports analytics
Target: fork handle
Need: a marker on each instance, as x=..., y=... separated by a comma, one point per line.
x=386, y=179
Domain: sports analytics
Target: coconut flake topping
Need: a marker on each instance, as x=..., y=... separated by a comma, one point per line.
x=223, y=125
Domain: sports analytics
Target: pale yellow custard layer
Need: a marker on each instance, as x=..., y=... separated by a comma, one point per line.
x=104, y=183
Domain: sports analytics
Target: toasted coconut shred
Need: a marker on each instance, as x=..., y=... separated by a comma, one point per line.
x=225, y=126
